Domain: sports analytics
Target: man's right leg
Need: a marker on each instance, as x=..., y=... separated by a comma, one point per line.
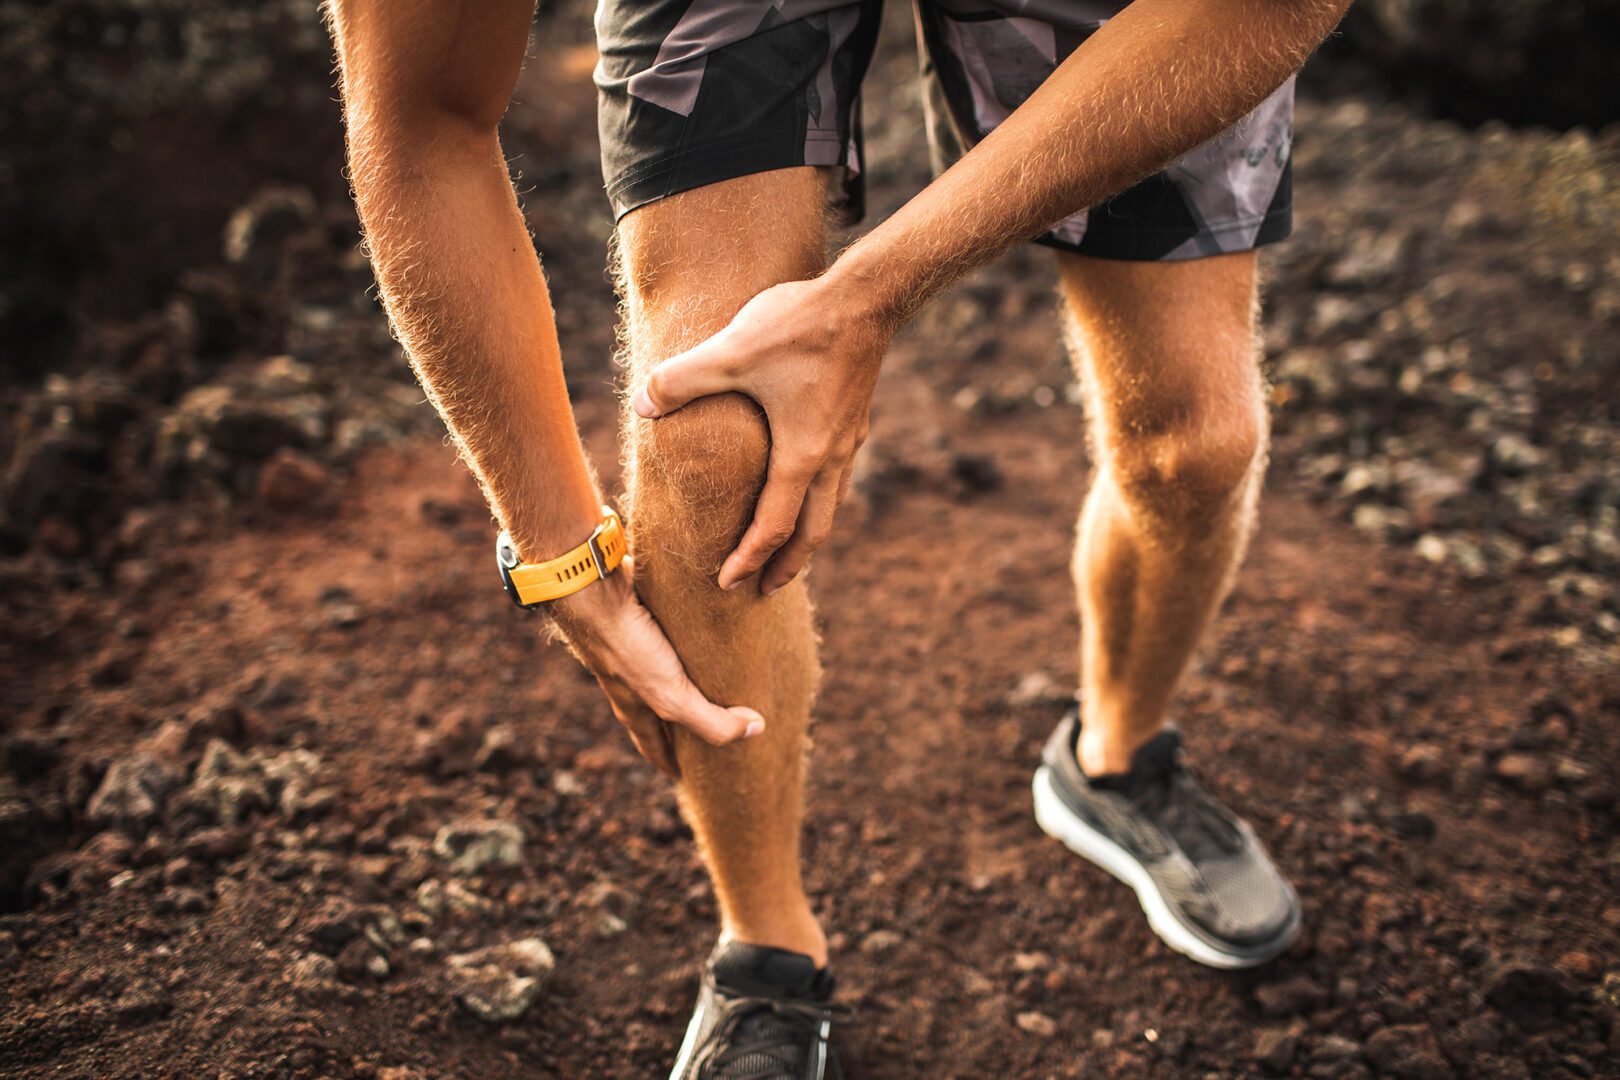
x=689, y=263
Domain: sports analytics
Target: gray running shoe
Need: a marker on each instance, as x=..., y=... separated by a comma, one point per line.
x=762, y=1014
x=1201, y=875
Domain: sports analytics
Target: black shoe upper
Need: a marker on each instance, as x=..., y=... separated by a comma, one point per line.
x=764, y=1014
x=1206, y=862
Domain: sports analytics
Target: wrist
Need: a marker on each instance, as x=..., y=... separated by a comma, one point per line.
x=546, y=535
x=578, y=614
x=864, y=284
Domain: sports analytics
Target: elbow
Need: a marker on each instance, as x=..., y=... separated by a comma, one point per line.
x=400, y=73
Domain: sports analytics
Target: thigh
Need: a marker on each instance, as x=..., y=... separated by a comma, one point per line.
x=1161, y=346
x=688, y=263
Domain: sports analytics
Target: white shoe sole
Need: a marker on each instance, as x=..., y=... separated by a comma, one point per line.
x=1060, y=823
x=688, y=1045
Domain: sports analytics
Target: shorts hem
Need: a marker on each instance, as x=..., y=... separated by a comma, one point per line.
x=700, y=166
x=1146, y=243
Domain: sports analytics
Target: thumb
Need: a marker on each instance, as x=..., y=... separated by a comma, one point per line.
x=714, y=724
x=697, y=372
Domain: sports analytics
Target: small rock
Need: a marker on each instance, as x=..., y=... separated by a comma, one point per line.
x=1524, y=987
x=216, y=844
x=9, y=951
x=227, y=786
x=1423, y=763
x=430, y=898
x=1336, y=1048
x=313, y=973
x=1037, y=688
x=1037, y=1023
x=277, y=692
x=1607, y=992
x=132, y=793
x=1412, y=825
x=1579, y=965
x=342, y=610
x=182, y=900
x=143, y=1002
x=384, y=929
x=500, y=983
x=337, y=923
x=1479, y=1034
x=1298, y=996
x=501, y=751
x=1527, y=772
x=471, y=846
x=359, y=960
x=1026, y=962
x=1515, y=455
x=292, y=482
x=879, y=942
x=1408, y=1051
x=976, y=473
x=1275, y=1048
x=99, y=860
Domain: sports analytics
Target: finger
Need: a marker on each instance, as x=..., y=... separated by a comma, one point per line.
x=652, y=742
x=642, y=724
x=815, y=525
x=846, y=481
x=775, y=517
x=679, y=701
x=698, y=372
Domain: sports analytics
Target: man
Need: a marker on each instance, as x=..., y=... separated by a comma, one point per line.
x=728, y=126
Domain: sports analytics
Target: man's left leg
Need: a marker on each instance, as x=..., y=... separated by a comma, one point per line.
x=1167, y=355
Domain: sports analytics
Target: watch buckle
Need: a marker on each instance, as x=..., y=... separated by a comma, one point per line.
x=597, y=556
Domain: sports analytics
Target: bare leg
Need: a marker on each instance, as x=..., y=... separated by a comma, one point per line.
x=689, y=263
x=1168, y=357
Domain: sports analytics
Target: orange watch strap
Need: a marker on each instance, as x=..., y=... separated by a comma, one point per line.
x=596, y=558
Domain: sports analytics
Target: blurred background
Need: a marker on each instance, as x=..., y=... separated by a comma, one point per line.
x=287, y=788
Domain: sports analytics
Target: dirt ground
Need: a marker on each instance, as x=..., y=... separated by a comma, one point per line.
x=313, y=703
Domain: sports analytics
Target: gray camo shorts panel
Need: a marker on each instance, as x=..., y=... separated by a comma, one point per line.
x=692, y=92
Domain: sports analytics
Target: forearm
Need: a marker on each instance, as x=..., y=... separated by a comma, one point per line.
x=1158, y=80
x=425, y=84
x=463, y=287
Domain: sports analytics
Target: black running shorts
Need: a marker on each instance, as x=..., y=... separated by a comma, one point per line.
x=696, y=91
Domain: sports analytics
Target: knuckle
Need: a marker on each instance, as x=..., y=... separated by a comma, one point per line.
x=776, y=533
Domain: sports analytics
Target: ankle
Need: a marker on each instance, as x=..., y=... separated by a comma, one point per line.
x=1103, y=752
x=796, y=932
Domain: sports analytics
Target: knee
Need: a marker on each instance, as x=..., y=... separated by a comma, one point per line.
x=697, y=474
x=1192, y=471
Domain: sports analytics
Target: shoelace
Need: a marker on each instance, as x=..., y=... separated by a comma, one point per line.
x=1188, y=812
x=773, y=1047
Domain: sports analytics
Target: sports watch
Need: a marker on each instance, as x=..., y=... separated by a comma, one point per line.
x=532, y=584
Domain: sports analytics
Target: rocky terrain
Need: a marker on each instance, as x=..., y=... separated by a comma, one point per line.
x=287, y=789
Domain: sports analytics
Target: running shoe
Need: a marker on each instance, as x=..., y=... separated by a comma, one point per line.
x=1202, y=876
x=762, y=1014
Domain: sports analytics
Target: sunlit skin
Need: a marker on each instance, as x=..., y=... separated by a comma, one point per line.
x=752, y=371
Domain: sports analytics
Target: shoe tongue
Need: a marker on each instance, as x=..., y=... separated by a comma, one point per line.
x=1152, y=762
x=763, y=971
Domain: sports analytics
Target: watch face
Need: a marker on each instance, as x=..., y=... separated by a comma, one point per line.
x=506, y=559
x=505, y=554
